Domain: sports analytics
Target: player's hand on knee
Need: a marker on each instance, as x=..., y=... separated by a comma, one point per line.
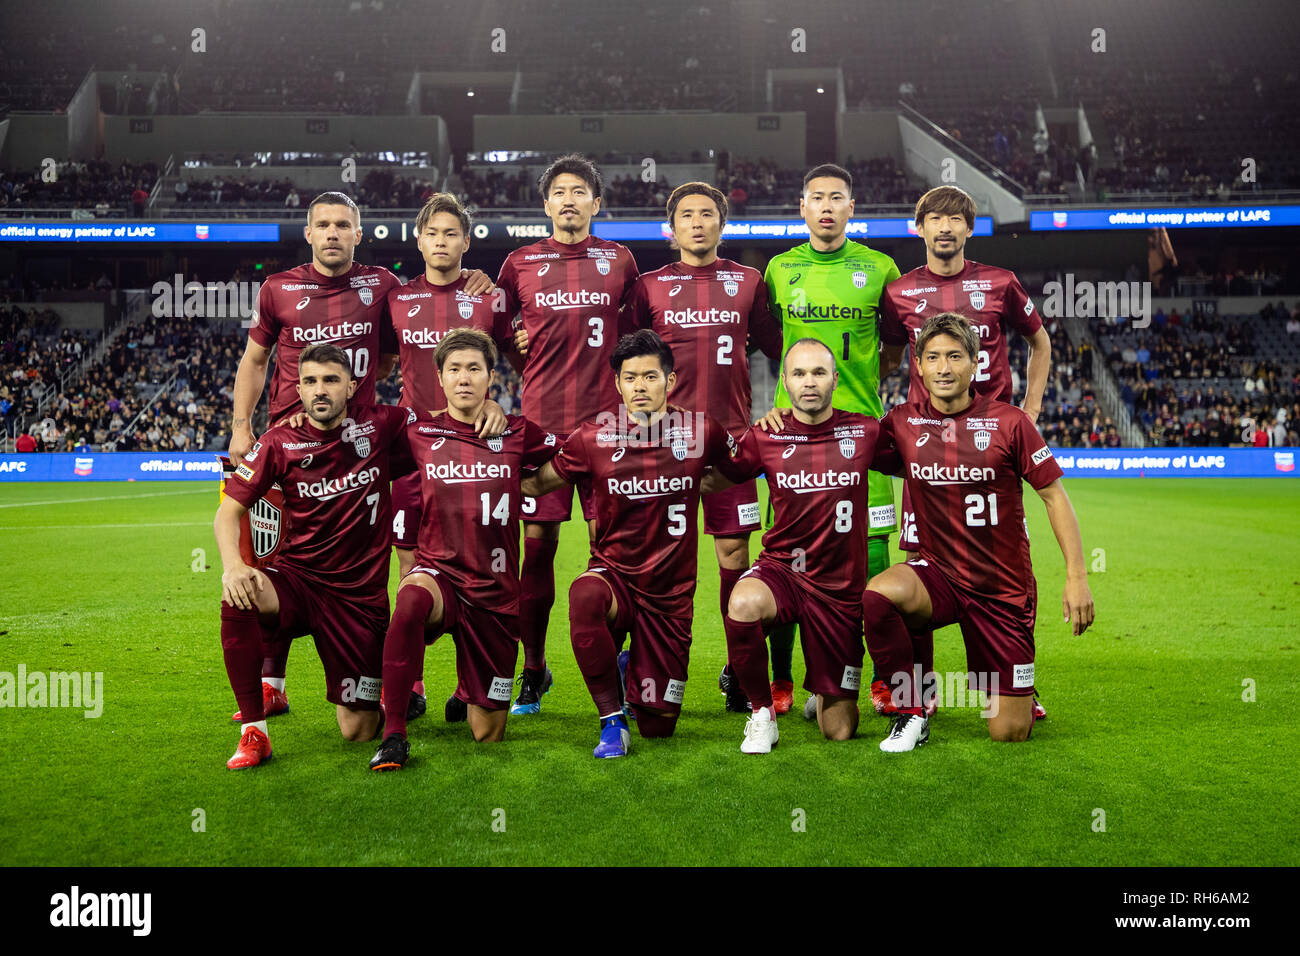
x=774, y=420
x=239, y=587
x=1077, y=605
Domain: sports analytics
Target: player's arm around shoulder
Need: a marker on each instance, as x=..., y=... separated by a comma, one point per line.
x=885, y=457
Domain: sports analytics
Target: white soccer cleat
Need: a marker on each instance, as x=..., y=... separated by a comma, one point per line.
x=810, y=708
x=760, y=733
x=907, y=732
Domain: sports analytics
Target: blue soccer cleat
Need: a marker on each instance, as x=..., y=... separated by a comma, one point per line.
x=532, y=685
x=614, y=737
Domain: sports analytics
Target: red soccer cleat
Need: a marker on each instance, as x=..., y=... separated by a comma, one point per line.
x=1039, y=713
x=782, y=696
x=881, y=699
x=254, y=748
x=273, y=702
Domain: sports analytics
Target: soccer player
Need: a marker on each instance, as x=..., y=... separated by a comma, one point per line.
x=829, y=289
x=994, y=303
x=568, y=291
x=644, y=464
x=814, y=560
x=708, y=310
x=331, y=299
x=423, y=311
x=964, y=455
x=465, y=577
x=330, y=579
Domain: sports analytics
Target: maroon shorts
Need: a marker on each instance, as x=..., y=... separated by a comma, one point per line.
x=558, y=505
x=999, y=637
x=487, y=646
x=408, y=508
x=733, y=512
x=907, y=539
x=349, y=636
x=660, y=649
x=830, y=630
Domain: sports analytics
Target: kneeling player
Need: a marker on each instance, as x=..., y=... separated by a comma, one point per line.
x=814, y=560
x=465, y=580
x=964, y=456
x=644, y=464
x=330, y=578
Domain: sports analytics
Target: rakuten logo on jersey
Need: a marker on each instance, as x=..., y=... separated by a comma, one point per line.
x=582, y=299
x=807, y=482
x=454, y=474
x=424, y=338
x=950, y=474
x=650, y=488
x=331, y=333
x=329, y=488
x=691, y=318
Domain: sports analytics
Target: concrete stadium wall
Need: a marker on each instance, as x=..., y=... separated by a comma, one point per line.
x=868, y=134
x=32, y=137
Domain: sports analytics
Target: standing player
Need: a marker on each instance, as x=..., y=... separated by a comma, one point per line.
x=964, y=456
x=994, y=303
x=568, y=291
x=707, y=309
x=814, y=561
x=644, y=466
x=330, y=579
x=332, y=299
x=423, y=311
x=829, y=289
x=465, y=577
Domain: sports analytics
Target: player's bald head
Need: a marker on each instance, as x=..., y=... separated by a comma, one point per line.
x=811, y=351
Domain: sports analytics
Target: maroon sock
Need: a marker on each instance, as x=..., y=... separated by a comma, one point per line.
x=537, y=595
x=890, y=646
x=275, y=657
x=923, y=653
x=747, y=651
x=593, y=645
x=241, y=645
x=729, y=578
x=404, y=654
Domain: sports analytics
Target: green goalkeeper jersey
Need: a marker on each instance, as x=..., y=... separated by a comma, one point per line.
x=833, y=297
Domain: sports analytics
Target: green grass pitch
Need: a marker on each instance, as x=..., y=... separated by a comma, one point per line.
x=1197, y=590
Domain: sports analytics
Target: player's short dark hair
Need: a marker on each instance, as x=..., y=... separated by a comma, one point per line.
x=828, y=169
x=333, y=198
x=697, y=189
x=577, y=165
x=442, y=202
x=948, y=323
x=325, y=353
x=641, y=342
x=809, y=340
x=466, y=338
x=946, y=201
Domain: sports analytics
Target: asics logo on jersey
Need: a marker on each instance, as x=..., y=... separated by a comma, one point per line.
x=306, y=461
x=329, y=488
x=922, y=439
x=543, y=270
x=806, y=482
x=618, y=453
x=789, y=450
x=796, y=277
x=329, y=333
x=950, y=474
x=920, y=306
x=674, y=290
x=303, y=304
x=414, y=309
x=437, y=444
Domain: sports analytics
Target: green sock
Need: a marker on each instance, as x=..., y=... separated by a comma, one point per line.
x=877, y=561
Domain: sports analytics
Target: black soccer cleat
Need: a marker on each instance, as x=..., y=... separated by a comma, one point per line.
x=416, y=706
x=456, y=711
x=737, y=702
x=532, y=685
x=392, y=753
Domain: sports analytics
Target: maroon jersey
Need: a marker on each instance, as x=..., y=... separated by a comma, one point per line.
x=469, y=528
x=817, y=483
x=568, y=298
x=422, y=314
x=963, y=475
x=991, y=299
x=336, y=494
x=646, y=487
x=707, y=315
x=302, y=307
